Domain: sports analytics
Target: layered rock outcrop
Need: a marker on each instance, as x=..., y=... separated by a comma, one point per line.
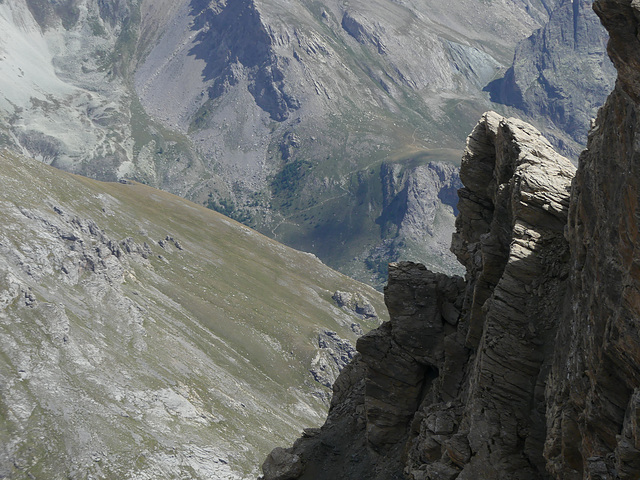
x=450, y=386
x=529, y=368
x=592, y=394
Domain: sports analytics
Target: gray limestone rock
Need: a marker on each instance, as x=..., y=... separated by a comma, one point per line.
x=333, y=354
x=419, y=205
x=355, y=303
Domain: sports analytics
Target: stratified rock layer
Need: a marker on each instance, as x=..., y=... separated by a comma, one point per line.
x=593, y=401
x=451, y=386
x=531, y=368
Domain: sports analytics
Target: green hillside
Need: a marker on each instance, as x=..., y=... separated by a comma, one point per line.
x=143, y=336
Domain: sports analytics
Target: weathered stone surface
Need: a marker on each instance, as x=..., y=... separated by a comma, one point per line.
x=333, y=354
x=510, y=238
x=592, y=391
x=355, y=303
x=455, y=379
x=405, y=355
x=281, y=465
x=543, y=376
x=377, y=395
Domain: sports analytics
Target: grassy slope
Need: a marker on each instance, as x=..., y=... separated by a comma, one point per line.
x=202, y=348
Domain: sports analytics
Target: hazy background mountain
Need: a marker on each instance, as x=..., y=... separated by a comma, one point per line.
x=146, y=337
x=560, y=75
x=321, y=124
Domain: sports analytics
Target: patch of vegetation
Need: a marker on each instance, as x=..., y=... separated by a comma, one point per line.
x=379, y=268
x=460, y=118
x=166, y=147
x=201, y=117
x=228, y=207
x=287, y=181
x=43, y=12
x=123, y=53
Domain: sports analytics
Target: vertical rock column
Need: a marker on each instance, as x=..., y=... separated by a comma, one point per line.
x=405, y=355
x=452, y=387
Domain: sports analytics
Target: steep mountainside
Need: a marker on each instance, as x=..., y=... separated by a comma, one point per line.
x=593, y=398
x=143, y=336
x=561, y=74
x=529, y=368
x=285, y=115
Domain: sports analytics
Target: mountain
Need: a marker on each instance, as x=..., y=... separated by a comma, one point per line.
x=144, y=336
x=286, y=115
x=560, y=75
x=528, y=368
x=446, y=388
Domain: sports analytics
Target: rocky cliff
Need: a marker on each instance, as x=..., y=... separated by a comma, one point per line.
x=449, y=385
x=592, y=392
x=527, y=368
x=560, y=75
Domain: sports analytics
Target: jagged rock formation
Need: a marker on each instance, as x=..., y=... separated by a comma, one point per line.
x=561, y=74
x=592, y=393
x=529, y=369
x=448, y=384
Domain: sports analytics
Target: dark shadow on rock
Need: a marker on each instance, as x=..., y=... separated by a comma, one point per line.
x=231, y=36
x=505, y=90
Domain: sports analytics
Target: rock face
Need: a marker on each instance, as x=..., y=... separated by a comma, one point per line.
x=529, y=369
x=593, y=389
x=419, y=205
x=562, y=73
x=455, y=379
